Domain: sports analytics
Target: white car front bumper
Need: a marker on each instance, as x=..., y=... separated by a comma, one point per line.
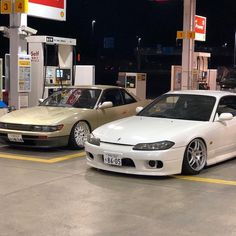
x=136, y=162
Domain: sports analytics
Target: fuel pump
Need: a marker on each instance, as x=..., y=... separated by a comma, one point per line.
x=202, y=77
x=52, y=65
x=134, y=82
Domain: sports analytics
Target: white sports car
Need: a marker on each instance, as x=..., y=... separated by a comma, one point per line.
x=179, y=132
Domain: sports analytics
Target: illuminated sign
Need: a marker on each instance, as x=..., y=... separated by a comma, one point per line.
x=21, y=6
x=51, y=3
x=24, y=73
x=49, y=9
x=200, y=28
x=180, y=34
x=6, y=7
x=191, y=35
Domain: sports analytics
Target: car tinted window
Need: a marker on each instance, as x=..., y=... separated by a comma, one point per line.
x=73, y=97
x=182, y=106
x=227, y=104
x=112, y=95
x=127, y=97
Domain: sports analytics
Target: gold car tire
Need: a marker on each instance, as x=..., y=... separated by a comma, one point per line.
x=79, y=134
x=195, y=157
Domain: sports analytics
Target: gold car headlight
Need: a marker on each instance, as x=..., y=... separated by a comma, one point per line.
x=46, y=128
x=162, y=145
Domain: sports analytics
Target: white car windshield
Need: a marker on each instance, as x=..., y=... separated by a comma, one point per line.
x=73, y=97
x=181, y=106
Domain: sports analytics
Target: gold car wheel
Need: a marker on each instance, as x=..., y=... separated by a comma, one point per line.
x=79, y=133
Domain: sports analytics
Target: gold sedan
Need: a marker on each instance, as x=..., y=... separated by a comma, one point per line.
x=67, y=116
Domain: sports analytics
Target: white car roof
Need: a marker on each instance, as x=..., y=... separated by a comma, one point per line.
x=215, y=93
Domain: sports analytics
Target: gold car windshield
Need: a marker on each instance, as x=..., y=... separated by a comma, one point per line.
x=73, y=97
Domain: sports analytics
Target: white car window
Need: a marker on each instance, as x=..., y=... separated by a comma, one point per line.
x=227, y=104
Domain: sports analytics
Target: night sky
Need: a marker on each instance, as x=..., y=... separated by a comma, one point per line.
x=156, y=22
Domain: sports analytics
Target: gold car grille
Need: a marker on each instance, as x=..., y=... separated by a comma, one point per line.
x=16, y=126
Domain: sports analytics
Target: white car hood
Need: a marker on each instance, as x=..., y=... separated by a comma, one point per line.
x=137, y=129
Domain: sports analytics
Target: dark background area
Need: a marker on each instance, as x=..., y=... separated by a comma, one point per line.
x=121, y=22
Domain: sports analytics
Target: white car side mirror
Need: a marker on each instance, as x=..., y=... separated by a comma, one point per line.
x=225, y=117
x=138, y=109
x=105, y=105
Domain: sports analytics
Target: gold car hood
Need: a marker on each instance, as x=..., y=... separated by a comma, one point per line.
x=40, y=115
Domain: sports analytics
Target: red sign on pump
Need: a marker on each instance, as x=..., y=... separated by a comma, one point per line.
x=200, y=28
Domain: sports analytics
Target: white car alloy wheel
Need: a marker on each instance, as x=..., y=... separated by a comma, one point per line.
x=195, y=157
x=79, y=134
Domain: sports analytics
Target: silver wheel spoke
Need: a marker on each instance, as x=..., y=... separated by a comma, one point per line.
x=198, y=163
x=192, y=161
x=197, y=146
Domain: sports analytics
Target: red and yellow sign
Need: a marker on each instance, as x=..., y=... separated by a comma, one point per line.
x=190, y=35
x=6, y=6
x=21, y=6
x=49, y=3
x=200, y=28
x=180, y=35
x=49, y=9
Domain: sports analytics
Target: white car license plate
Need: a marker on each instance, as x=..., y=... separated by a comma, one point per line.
x=15, y=138
x=113, y=159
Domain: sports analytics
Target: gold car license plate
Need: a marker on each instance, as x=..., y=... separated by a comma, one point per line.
x=15, y=138
x=113, y=159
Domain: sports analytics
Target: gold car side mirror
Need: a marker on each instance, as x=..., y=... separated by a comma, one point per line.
x=105, y=105
x=138, y=109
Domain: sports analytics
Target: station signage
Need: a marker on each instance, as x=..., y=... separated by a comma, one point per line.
x=49, y=9
x=24, y=73
x=199, y=33
x=180, y=34
x=6, y=7
x=20, y=6
x=200, y=28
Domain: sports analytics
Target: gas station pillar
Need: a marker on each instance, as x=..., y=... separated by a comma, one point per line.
x=18, y=45
x=188, y=44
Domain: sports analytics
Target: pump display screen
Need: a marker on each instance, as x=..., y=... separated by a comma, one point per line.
x=63, y=74
x=130, y=81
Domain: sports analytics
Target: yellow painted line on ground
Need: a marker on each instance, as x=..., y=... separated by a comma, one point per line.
x=206, y=180
x=41, y=160
x=81, y=154
x=67, y=157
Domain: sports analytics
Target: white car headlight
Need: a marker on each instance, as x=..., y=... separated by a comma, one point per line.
x=163, y=145
x=93, y=140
